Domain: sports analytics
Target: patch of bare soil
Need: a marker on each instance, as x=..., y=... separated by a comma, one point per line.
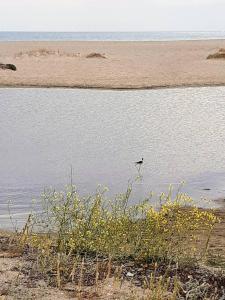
x=19, y=280
x=16, y=278
x=217, y=241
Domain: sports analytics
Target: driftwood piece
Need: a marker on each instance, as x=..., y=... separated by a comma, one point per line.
x=7, y=67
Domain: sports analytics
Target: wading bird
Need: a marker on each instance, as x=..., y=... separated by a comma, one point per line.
x=140, y=162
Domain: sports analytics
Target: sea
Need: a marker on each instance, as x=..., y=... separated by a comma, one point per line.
x=111, y=36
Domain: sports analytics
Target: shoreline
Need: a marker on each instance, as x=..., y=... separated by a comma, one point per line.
x=108, y=88
x=122, y=65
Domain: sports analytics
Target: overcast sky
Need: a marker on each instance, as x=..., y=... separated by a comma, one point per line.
x=111, y=15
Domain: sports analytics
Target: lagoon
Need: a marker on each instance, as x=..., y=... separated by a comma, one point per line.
x=101, y=133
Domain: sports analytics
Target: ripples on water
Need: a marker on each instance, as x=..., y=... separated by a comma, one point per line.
x=179, y=132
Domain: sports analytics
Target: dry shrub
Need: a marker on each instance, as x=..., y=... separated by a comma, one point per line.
x=218, y=55
x=94, y=224
x=95, y=55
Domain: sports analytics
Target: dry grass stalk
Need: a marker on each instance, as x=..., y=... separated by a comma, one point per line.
x=80, y=284
x=96, y=275
x=58, y=272
x=109, y=268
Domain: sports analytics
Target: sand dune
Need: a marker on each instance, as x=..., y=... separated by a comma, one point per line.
x=127, y=64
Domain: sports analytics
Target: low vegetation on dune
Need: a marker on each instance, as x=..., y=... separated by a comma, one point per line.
x=43, y=52
x=81, y=243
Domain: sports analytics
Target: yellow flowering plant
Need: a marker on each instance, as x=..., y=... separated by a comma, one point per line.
x=70, y=226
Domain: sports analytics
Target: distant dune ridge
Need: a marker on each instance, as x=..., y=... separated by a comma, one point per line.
x=113, y=65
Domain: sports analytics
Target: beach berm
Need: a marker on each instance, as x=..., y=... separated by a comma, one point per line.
x=128, y=65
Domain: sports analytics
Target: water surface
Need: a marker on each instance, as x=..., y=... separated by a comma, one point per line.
x=111, y=36
x=179, y=132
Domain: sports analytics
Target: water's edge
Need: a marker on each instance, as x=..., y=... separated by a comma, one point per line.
x=113, y=88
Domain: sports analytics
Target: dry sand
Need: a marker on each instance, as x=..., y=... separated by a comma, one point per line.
x=127, y=64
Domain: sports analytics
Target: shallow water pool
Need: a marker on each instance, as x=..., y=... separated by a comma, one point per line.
x=180, y=133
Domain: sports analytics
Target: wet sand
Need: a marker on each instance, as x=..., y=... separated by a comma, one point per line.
x=128, y=65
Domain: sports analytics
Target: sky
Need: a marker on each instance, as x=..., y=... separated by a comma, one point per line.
x=112, y=15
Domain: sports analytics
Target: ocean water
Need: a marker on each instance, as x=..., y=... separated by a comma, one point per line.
x=179, y=132
x=112, y=36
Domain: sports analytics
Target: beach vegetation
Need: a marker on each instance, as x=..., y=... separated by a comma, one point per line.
x=86, y=240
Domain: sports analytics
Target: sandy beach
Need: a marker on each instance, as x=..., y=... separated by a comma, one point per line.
x=126, y=64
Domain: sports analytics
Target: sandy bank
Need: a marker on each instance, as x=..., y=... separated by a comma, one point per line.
x=127, y=64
